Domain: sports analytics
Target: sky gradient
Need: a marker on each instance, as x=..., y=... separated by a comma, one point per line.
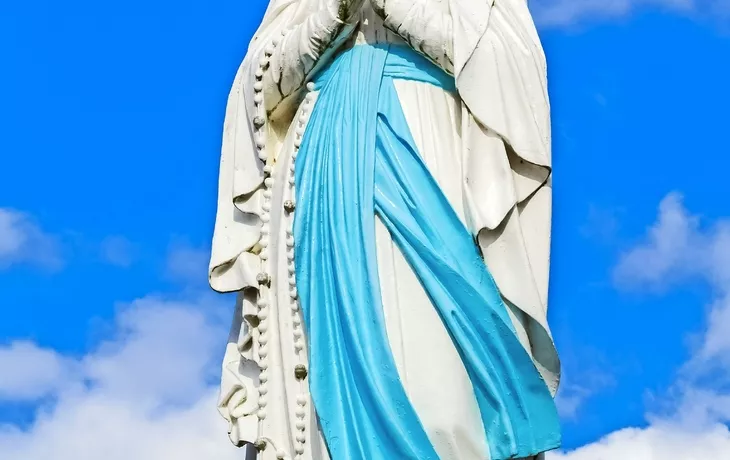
x=111, y=120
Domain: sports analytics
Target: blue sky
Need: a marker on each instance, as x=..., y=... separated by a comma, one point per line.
x=111, y=120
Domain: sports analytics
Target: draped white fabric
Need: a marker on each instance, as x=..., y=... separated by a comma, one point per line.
x=489, y=151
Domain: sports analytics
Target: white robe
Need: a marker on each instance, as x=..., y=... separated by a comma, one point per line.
x=500, y=192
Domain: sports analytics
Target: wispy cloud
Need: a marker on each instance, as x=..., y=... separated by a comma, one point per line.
x=118, y=251
x=602, y=224
x=186, y=263
x=678, y=248
x=561, y=13
x=22, y=241
x=570, y=399
x=574, y=393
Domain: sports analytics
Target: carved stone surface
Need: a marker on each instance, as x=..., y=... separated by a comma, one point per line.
x=482, y=131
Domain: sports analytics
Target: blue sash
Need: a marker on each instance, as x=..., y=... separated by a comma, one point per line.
x=358, y=159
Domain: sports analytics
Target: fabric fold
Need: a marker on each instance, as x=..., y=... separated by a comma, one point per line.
x=357, y=159
x=497, y=54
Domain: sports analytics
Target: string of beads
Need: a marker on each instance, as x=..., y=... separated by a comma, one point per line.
x=264, y=278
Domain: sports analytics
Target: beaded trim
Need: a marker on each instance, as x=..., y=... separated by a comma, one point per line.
x=300, y=371
x=264, y=278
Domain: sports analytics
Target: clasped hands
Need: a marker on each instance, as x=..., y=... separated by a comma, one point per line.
x=347, y=10
x=423, y=26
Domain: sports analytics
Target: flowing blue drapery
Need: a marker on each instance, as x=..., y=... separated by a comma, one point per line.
x=358, y=160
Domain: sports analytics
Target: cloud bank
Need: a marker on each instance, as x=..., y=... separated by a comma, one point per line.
x=677, y=249
x=146, y=393
x=658, y=442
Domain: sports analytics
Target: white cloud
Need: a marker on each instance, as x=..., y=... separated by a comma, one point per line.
x=31, y=372
x=678, y=248
x=660, y=442
x=146, y=393
x=23, y=241
x=560, y=13
x=169, y=343
x=673, y=250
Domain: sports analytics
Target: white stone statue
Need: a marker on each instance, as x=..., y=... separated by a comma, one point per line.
x=384, y=214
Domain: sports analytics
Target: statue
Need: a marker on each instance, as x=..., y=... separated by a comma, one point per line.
x=384, y=216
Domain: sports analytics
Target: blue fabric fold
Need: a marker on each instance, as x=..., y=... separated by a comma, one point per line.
x=357, y=161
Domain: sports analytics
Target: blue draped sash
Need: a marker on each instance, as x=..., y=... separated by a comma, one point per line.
x=358, y=160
